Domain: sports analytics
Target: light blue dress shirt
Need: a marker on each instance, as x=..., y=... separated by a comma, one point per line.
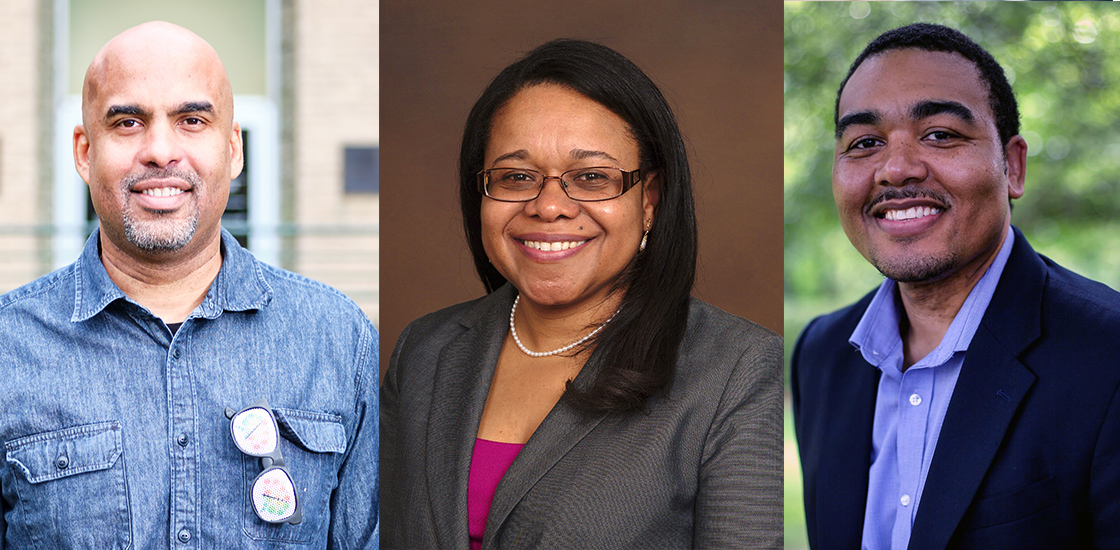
x=910, y=406
x=113, y=433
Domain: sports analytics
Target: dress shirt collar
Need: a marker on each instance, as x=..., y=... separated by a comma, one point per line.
x=877, y=337
x=239, y=286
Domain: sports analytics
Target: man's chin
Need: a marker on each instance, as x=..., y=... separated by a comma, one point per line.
x=924, y=269
x=159, y=238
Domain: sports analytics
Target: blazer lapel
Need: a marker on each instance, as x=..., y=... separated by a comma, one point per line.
x=462, y=381
x=561, y=430
x=991, y=386
x=845, y=453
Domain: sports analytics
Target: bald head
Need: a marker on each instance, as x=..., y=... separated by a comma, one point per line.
x=150, y=52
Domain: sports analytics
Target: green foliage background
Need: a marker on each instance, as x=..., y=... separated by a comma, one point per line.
x=1063, y=60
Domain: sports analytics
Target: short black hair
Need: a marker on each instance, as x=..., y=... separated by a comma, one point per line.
x=637, y=350
x=939, y=38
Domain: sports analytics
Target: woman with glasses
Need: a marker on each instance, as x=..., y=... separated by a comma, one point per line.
x=587, y=401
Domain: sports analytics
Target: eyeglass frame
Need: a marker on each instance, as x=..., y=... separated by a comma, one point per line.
x=275, y=461
x=629, y=180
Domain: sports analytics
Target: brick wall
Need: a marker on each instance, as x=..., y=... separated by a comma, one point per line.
x=335, y=104
x=20, y=211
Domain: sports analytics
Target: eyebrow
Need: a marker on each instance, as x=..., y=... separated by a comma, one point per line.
x=128, y=110
x=193, y=107
x=136, y=110
x=519, y=154
x=926, y=109
x=921, y=110
x=576, y=154
x=581, y=154
x=867, y=118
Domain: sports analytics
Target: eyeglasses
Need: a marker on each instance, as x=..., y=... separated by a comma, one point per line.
x=273, y=494
x=598, y=183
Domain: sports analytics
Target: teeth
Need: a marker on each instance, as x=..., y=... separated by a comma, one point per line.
x=547, y=246
x=162, y=192
x=911, y=213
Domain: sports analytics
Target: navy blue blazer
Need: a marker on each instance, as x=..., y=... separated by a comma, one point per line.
x=1029, y=454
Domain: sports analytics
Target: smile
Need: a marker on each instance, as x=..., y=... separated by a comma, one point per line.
x=546, y=246
x=911, y=213
x=162, y=192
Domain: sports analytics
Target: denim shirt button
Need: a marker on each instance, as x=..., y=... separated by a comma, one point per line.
x=184, y=536
x=62, y=462
x=175, y=353
x=182, y=440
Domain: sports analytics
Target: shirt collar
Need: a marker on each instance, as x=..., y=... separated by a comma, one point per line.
x=239, y=286
x=877, y=338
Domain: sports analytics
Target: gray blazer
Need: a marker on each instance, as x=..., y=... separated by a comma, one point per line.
x=701, y=466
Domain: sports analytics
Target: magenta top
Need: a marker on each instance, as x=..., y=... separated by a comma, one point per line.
x=489, y=463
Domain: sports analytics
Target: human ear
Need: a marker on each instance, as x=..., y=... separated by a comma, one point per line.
x=81, y=152
x=1015, y=155
x=236, y=152
x=651, y=193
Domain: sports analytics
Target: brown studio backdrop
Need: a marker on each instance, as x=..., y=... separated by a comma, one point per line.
x=719, y=64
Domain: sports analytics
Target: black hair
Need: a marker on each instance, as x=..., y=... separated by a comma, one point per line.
x=939, y=38
x=638, y=348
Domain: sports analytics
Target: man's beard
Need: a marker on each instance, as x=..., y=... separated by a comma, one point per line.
x=162, y=234
x=915, y=270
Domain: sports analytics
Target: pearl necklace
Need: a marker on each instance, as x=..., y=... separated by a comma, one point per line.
x=513, y=330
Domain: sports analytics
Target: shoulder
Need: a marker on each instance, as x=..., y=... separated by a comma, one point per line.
x=827, y=335
x=714, y=331
x=1059, y=303
x=49, y=287
x=434, y=330
x=834, y=329
x=293, y=287
x=1064, y=309
x=1079, y=298
x=421, y=342
x=443, y=323
x=1078, y=323
x=722, y=353
x=49, y=299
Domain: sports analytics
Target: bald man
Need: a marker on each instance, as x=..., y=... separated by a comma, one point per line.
x=167, y=390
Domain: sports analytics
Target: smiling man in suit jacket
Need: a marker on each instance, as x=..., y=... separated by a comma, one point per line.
x=971, y=401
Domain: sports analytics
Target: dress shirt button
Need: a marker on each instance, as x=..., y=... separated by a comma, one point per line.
x=62, y=462
x=184, y=536
x=182, y=440
x=915, y=399
x=175, y=353
x=905, y=500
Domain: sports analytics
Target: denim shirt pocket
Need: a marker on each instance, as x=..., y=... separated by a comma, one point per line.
x=312, y=444
x=72, y=487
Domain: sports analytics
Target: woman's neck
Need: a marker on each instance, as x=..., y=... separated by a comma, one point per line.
x=546, y=328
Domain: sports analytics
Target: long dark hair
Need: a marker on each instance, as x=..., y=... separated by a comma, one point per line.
x=638, y=349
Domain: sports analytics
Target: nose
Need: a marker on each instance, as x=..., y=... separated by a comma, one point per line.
x=552, y=203
x=161, y=147
x=901, y=164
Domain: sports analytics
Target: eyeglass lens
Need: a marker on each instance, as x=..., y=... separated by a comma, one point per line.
x=274, y=495
x=254, y=432
x=590, y=184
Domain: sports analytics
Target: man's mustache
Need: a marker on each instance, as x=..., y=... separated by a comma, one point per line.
x=132, y=180
x=894, y=193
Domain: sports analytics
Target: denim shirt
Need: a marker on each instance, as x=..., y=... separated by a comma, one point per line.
x=113, y=433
